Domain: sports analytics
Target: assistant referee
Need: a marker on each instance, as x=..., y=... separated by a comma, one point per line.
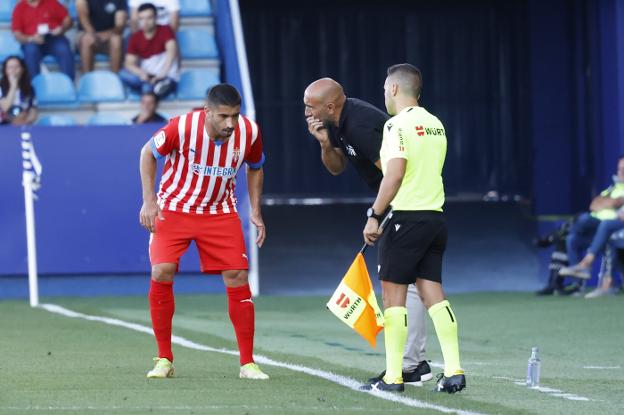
x=350, y=130
x=412, y=156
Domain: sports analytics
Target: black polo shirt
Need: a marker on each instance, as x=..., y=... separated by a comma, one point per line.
x=359, y=134
x=102, y=13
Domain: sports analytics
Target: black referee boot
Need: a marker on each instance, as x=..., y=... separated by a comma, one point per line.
x=422, y=373
x=381, y=385
x=451, y=384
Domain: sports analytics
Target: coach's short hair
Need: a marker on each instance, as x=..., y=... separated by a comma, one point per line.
x=148, y=6
x=223, y=94
x=409, y=78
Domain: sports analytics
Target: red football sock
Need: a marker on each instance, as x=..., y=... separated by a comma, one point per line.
x=241, y=310
x=162, y=307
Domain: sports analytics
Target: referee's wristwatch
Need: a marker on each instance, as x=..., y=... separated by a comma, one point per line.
x=371, y=214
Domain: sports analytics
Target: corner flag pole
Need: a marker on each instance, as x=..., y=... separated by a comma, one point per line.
x=30, y=180
x=250, y=112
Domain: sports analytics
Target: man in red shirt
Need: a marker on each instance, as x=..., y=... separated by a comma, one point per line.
x=40, y=26
x=196, y=202
x=151, y=63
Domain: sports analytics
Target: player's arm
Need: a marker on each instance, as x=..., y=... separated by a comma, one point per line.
x=255, y=181
x=333, y=158
x=160, y=145
x=388, y=189
x=150, y=208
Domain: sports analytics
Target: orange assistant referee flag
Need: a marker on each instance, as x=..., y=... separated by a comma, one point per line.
x=355, y=304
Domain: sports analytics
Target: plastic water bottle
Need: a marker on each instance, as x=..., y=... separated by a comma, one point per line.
x=533, y=369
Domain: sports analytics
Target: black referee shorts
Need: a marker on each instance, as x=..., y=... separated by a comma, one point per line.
x=412, y=246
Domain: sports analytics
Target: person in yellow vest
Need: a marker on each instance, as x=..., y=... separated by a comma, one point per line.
x=412, y=155
x=594, y=228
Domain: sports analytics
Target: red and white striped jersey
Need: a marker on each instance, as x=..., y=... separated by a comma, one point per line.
x=200, y=174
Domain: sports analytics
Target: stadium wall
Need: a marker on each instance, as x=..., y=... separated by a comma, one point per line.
x=577, y=98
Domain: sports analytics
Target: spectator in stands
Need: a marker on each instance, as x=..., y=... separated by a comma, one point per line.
x=17, y=96
x=168, y=13
x=148, y=114
x=101, y=24
x=40, y=26
x=594, y=228
x=151, y=63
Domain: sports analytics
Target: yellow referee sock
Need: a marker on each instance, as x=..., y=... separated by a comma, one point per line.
x=445, y=325
x=395, y=327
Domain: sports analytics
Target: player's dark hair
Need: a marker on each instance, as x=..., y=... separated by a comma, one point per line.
x=148, y=6
x=223, y=94
x=410, y=76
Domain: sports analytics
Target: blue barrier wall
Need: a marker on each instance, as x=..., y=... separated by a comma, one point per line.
x=87, y=215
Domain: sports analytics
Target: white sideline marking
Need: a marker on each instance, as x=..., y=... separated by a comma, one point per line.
x=550, y=391
x=603, y=367
x=332, y=377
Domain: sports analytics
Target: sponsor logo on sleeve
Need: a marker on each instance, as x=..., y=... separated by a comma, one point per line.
x=159, y=139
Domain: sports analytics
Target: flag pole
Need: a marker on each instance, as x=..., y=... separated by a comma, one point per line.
x=28, y=177
x=383, y=224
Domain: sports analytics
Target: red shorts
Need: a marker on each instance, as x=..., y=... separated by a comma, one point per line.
x=219, y=240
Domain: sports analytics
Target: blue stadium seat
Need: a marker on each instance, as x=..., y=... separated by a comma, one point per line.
x=71, y=7
x=195, y=8
x=57, y=120
x=6, y=10
x=54, y=88
x=194, y=83
x=108, y=118
x=197, y=44
x=8, y=45
x=100, y=86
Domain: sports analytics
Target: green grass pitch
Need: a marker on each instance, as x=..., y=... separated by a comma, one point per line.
x=55, y=364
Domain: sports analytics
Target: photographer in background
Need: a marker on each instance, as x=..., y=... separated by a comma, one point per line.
x=17, y=96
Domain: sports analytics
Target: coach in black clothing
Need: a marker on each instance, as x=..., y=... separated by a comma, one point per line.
x=346, y=128
x=352, y=129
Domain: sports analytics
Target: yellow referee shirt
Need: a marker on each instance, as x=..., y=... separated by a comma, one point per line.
x=419, y=137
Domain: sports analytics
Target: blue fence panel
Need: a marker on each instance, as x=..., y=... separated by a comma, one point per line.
x=87, y=215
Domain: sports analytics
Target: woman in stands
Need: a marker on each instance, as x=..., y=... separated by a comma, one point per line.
x=17, y=96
